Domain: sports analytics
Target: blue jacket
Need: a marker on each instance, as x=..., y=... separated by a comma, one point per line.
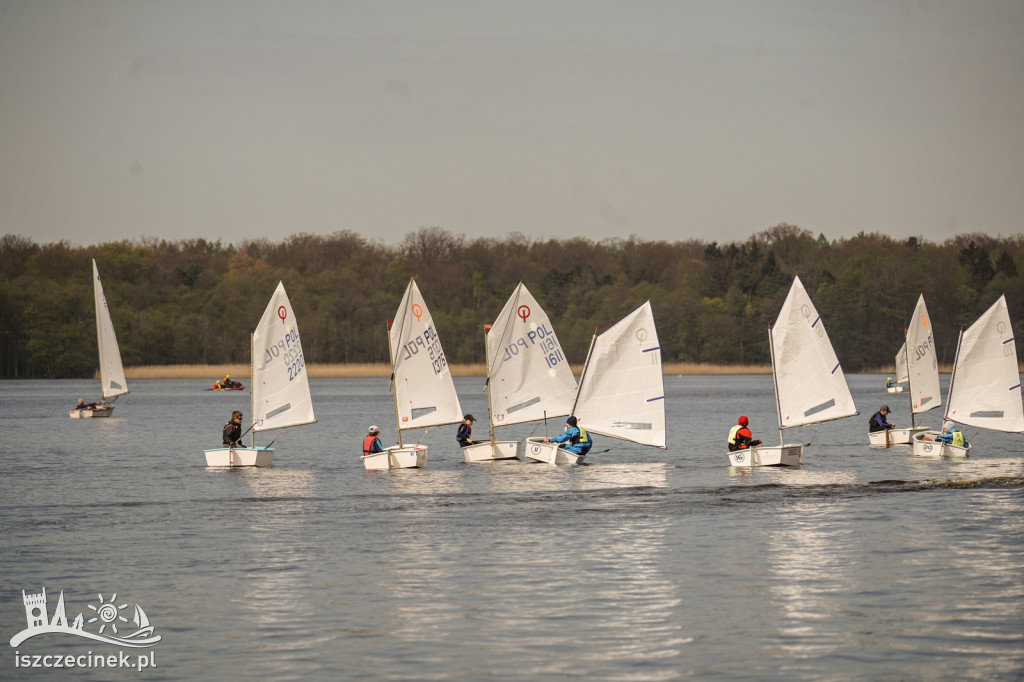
x=947, y=437
x=574, y=440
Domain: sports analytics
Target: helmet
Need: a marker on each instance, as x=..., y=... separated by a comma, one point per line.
x=742, y=421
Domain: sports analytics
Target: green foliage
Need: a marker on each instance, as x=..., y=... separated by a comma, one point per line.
x=195, y=301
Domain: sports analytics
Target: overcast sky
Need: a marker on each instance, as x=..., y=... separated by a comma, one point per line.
x=709, y=119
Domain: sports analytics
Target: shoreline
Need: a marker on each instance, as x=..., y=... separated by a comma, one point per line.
x=356, y=370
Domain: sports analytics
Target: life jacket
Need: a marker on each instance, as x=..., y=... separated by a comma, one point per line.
x=367, y=444
x=958, y=439
x=464, y=433
x=732, y=434
x=583, y=437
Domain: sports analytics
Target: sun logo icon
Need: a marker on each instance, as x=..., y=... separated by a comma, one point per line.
x=108, y=613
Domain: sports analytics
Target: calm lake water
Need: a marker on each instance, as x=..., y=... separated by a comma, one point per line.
x=642, y=565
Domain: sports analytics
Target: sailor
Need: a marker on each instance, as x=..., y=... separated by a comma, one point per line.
x=82, y=405
x=574, y=439
x=952, y=435
x=740, y=437
x=878, y=422
x=233, y=431
x=371, y=443
x=888, y=382
x=465, y=433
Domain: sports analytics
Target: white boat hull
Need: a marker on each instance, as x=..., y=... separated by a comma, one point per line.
x=789, y=455
x=894, y=436
x=551, y=453
x=895, y=389
x=90, y=414
x=491, y=450
x=240, y=457
x=409, y=457
x=925, y=445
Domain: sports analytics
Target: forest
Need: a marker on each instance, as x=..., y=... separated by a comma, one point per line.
x=196, y=301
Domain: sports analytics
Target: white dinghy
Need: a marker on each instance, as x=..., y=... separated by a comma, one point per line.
x=984, y=389
x=920, y=370
x=810, y=387
x=622, y=390
x=902, y=371
x=278, y=387
x=422, y=382
x=112, y=382
x=528, y=377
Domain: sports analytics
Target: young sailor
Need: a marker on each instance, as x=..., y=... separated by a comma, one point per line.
x=371, y=443
x=740, y=437
x=574, y=439
x=465, y=433
x=233, y=431
x=878, y=422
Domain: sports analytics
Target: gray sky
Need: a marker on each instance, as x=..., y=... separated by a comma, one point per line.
x=709, y=119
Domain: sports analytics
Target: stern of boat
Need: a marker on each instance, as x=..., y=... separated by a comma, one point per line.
x=789, y=455
x=883, y=439
x=490, y=451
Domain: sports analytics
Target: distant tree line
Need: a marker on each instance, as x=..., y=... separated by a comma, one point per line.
x=195, y=301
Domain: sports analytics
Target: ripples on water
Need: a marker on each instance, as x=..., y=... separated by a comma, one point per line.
x=863, y=564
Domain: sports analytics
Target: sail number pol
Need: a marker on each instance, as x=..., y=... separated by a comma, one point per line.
x=541, y=337
x=429, y=342
x=290, y=350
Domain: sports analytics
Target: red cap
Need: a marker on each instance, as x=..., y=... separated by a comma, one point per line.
x=742, y=421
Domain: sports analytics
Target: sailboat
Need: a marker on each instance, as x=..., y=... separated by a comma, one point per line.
x=112, y=382
x=984, y=389
x=920, y=370
x=902, y=373
x=423, y=388
x=621, y=393
x=528, y=377
x=809, y=383
x=279, y=385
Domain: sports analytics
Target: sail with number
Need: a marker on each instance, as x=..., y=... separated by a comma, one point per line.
x=809, y=382
x=111, y=371
x=280, y=384
x=922, y=363
x=528, y=376
x=985, y=390
x=424, y=389
x=622, y=389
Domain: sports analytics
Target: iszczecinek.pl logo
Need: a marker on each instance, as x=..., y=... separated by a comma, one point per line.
x=110, y=618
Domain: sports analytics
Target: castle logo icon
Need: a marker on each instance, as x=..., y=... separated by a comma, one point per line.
x=113, y=627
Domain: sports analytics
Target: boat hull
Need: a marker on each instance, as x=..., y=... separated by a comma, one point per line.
x=538, y=450
x=894, y=436
x=491, y=450
x=789, y=455
x=895, y=389
x=240, y=457
x=925, y=445
x=410, y=457
x=91, y=414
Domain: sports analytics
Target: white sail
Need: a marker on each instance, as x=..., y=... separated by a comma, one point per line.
x=985, y=390
x=922, y=363
x=902, y=373
x=810, y=383
x=111, y=371
x=528, y=374
x=280, y=385
x=622, y=390
x=424, y=390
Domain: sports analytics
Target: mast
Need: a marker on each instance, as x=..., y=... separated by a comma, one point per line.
x=490, y=410
x=952, y=376
x=394, y=389
x=775, y=385
x=252, y=371
x=586, y=363
x=910, y=381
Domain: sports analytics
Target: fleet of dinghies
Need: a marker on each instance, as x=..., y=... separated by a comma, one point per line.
x=984, y=388
x=620, y=393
